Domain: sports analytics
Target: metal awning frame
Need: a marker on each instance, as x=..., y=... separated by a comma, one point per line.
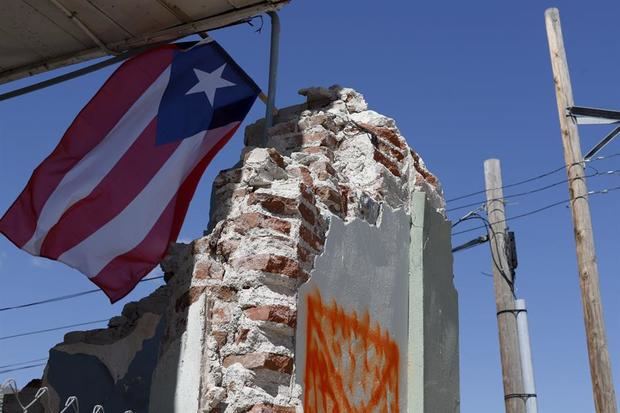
x=163, y=36
x=595, y=116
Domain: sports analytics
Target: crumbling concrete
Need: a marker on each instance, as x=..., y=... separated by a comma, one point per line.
x=226, y=329
x=330, y=158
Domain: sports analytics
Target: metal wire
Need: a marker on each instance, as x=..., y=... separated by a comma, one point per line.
x=534, y=178
x=535, y=211
x=66, y=297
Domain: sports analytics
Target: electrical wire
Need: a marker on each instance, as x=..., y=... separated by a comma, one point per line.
x=22, y=368
x=535, y=211
x=493, y=237
x=47, y=330
x=534, y=178
x=22, y=362
x=66, y=297
x=533, y=191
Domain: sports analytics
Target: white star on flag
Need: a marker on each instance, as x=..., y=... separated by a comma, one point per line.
x=209, y=83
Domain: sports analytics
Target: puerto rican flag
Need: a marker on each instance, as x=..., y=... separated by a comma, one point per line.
x=113, y=194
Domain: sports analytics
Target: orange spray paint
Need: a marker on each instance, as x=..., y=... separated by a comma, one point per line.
x=352, y=366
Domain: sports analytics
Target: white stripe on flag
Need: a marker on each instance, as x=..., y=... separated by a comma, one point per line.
x=90, y=170
x=129, y=228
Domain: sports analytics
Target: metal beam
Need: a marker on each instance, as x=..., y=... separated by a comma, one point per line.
x=62, y=78
x=586, y=116
x=602, y=143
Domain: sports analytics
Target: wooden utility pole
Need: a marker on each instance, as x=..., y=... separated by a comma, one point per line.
x=504, y=297
x=600, y=366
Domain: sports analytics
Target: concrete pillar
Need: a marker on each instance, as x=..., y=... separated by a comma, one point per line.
x=433, y=369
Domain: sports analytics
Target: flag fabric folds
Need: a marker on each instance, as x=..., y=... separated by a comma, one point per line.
x=114, y=193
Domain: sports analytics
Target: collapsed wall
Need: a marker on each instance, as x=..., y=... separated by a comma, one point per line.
x=329, y=170
x=298, y=297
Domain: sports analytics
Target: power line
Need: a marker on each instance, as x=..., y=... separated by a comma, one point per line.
x=47, y=330
x=65, y=297
x=535, y=211
x=533, y=191
x=22, y=362
x=22, y=368
x=534, y=178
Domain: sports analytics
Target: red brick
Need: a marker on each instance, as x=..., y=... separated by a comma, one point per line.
x=276, y=157
x=308, y=139
x=307, y=214
x=274, y=313
x=313, y=120
x=303, y=173
x=386, y=133
x=385, y=161
x=306, y=193
x=385, y=148
x=303, y=254
x=275, y=264
x=220, y=338
x=221, y=313
x=242, y=335
x=311, y=239
x=226, y=247
x=428, y=177
x=344, y=198
x=250, y=220
x=274, y=203
x=224, y=293
x=330, y=197
x=323, y=170
x=239, y=193
x=322, y=138
x=208, y=269
x=269, y=361
x=270, y=408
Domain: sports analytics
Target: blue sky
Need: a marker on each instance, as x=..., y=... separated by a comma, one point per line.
x=465, y=81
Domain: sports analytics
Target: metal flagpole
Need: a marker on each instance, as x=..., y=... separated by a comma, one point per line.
x=273, y=70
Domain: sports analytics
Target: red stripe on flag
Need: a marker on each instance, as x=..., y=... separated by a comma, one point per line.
x=92, y=124
x=122, y=274
x=115, y=191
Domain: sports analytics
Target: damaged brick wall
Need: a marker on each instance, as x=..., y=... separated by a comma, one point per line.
x=226, y=341
x=330, y=157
